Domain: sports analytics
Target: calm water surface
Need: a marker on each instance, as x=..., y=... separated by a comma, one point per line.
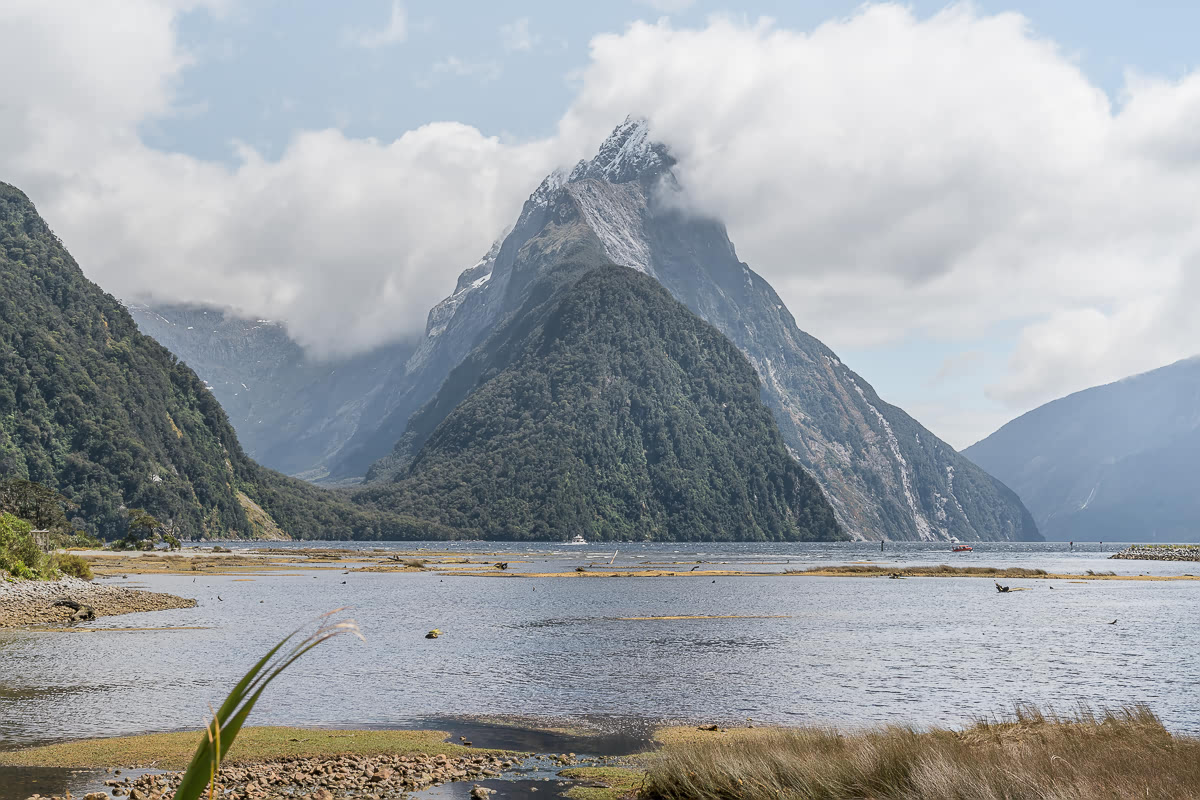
x=848, y=651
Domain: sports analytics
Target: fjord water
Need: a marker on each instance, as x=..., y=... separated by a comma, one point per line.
x=790, y=650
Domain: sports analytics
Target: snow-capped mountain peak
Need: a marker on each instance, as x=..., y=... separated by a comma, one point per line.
x=626, y=155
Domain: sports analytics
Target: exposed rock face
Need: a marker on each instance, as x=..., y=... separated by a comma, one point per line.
x=1113, y=463
x=885, y=474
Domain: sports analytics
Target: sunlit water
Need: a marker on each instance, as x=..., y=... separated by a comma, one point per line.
x=847, y=651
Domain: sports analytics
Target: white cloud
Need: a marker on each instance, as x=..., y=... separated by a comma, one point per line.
x=394, y=31
x=516, y=35
x=890, y=176
x=896, y=177
x=349, y=240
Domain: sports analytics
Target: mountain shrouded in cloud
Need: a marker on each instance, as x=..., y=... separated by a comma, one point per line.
x=291, y=412
x=884, y=474
x=892, y=175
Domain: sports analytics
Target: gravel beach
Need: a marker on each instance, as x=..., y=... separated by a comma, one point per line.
x=31, y=602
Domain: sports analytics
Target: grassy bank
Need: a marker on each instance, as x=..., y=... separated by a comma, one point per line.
x=1116, y=755
x=175, y=750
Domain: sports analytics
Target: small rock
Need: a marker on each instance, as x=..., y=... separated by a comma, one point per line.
x=481, y=793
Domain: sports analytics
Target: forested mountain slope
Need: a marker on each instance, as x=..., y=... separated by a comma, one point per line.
x=609, y=409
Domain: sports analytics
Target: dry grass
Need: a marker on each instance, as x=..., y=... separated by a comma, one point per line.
x=1123, y=754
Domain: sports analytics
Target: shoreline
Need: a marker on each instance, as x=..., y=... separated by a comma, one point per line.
x=30, y=603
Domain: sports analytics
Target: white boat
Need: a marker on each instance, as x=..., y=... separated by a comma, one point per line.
x=577, y=540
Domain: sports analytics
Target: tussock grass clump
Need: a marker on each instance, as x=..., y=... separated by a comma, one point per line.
x=1033, y=754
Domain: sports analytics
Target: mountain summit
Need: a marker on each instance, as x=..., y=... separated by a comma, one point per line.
x=885, y=475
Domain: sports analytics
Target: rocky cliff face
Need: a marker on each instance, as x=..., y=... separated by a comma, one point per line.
x=885, y=474
x=1110, y=463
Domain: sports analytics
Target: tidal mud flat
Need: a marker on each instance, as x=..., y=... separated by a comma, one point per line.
x=261, y=562
x=1160, y=552
x=25, y=603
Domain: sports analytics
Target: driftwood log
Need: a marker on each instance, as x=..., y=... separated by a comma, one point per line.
x=81, y=610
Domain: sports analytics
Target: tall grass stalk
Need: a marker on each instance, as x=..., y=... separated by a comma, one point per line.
x=1032, y=755
x=229, y=718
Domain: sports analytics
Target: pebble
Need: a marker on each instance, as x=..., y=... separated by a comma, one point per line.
x=321, y=778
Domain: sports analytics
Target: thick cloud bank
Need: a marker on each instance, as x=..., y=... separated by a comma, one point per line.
x=889, y=175
x=349, y=241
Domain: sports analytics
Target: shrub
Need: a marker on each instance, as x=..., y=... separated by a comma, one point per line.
x=73, y=565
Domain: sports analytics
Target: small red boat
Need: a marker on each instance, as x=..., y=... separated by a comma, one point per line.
x=962, y=548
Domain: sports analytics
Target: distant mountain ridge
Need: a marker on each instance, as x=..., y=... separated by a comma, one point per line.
x=291, y=413
x=885, y=475
x=1112, y=463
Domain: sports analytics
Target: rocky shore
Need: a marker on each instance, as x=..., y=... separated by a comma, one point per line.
x=1160, y=552
x=33, y=602
x=322, y=778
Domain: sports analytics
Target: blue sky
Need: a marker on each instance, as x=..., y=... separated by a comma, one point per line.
x=979, y=215
x=266, y=69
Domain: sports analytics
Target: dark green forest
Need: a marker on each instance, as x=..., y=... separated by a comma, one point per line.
x=620, y=415
x=110, y=419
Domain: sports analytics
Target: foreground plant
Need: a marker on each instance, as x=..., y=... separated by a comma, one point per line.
x=228, y=719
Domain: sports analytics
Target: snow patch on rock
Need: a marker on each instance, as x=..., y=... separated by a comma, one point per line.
x=615, y=213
